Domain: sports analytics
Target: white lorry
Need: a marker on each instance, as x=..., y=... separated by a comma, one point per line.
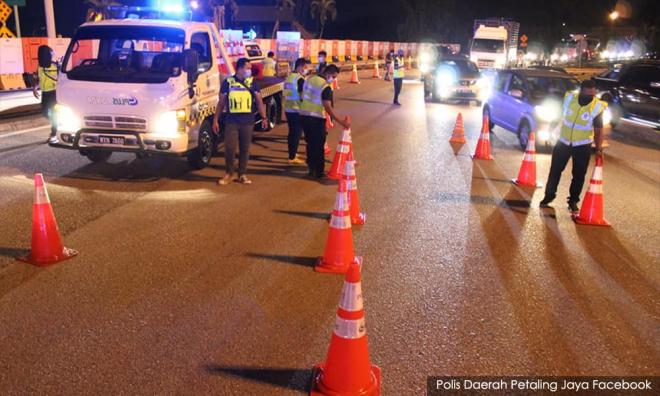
x=148, y=87
x=495, y=43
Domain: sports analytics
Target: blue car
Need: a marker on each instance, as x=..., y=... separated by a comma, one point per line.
x=525, y=100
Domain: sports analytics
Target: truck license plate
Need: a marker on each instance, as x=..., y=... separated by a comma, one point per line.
x=111, y=140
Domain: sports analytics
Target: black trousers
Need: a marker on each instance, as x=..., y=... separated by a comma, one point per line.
x=560, y=156
x=48, y=102
x=398, y=82
x=295, y=131
x=314, y=128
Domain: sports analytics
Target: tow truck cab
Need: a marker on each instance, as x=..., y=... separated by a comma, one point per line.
x=144, y=86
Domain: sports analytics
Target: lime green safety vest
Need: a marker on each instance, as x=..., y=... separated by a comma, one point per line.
x=399, y=68
x=239, y=97
x=577, y=121
x=47, y=78
x=291, y=95
x=269, y=67
x=312, y=104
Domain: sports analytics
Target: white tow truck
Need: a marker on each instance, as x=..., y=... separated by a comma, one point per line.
x=146, y=86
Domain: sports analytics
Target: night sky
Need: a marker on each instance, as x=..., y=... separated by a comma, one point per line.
x=413, y=20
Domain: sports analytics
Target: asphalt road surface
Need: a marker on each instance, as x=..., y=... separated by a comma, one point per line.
x=185, y=287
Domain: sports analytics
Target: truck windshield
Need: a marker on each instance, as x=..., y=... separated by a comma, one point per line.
x=488, y=45
x=127, y=54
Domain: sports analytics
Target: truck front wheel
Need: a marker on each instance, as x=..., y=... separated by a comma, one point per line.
x=200, y=156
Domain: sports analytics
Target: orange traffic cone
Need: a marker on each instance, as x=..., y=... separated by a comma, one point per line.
x=458, y=136
x=47, y=245
x=341, y=154
x=353, y=200
x=339, y=253
x=354, y=75
x=347, y=369
x=376, y=71
x=591, y=212
x=483, y=145
x=527, y=173
x=335, y=83
x=326, y=149
x=328, y=122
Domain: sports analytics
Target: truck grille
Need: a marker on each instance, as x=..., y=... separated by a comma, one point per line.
x=118, y=122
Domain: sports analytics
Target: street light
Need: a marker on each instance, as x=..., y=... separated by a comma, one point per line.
x=614, y=15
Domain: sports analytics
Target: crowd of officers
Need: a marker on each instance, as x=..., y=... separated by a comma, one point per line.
x=308, y=101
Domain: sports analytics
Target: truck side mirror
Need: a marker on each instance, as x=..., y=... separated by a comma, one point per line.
x=191, y=67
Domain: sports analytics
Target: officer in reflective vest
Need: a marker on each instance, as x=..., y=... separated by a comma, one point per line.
x=399, y=73
x=238, y=95
x=47, y=73
x=293, y=88
x=317, y=101
x=270, y=66
x=581, y=123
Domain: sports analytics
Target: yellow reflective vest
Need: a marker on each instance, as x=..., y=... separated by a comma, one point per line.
x=47, y=78
x=312, y=103
x=399, y=67
x=239, y=97
x=270, y=67
x=577, y=121
x=292, y=97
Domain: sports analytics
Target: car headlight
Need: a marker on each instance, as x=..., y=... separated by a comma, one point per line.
x=445, y=76
x=66, y=119
x=170, y=122
x=548, y=111
x=424, y=68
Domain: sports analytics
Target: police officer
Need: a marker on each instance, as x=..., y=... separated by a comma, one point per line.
x=317, y=101
x=581, y=123
x=293, y=88
x=322, y=61
x=47, y=72
x=399, y=73
x=270, y=65
x=238, y=95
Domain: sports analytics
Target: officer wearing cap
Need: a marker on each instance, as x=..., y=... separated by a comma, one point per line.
x=399, y=74
x=581, y=125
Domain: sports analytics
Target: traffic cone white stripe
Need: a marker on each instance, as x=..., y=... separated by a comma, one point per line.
x=529, y=157
x=343, y=147
x=598, y=174
x=350, y=329
x=351, y=297
x=41, y=196
x=596, y=188
x=340, y=222
x=341, y=202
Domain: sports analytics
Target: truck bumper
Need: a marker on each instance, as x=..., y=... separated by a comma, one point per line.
x=122, y=141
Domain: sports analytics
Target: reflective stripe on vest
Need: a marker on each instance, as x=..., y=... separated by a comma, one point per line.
x=239, y=98
x=577, y=121
x=399, y=68
x=47, y=78
x=312, y=103
x=269, y=67
x=291, y=95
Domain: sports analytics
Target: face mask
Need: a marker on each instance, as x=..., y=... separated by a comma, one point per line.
x=247, y=73
x=321, y=59
x=304, y=72
x=330, y=80
x=585, y=98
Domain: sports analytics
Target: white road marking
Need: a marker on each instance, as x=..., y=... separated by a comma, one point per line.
x=21, y=132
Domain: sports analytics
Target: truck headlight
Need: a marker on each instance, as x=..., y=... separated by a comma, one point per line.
x=66, y=119
x=548, y=112
x=424, y=68
x=170, y=122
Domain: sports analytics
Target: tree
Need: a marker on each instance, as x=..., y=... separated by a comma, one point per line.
x=323, y=9
x=98, y=9
x=280, y=6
